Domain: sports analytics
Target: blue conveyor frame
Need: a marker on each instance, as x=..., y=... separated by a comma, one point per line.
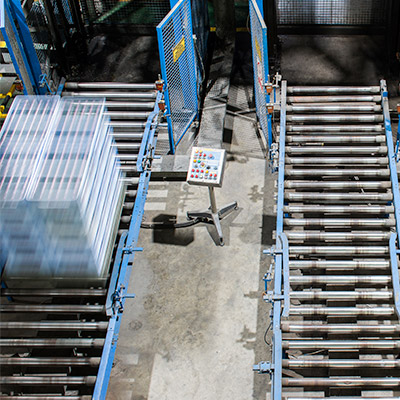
x=279, y=296
x=127, y=247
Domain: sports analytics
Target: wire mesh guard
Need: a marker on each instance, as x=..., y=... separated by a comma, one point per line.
x=60, y=188
x=331, y=12
x=178, y=64
x=258, y=35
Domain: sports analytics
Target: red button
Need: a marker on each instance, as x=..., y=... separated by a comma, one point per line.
x=197, y=176
x=202, y=171
x=215, y=175
x=192, y=170
x=191, y=176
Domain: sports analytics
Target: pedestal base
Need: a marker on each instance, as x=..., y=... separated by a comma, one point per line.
x=214, y=217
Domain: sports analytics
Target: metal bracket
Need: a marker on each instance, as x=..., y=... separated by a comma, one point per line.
x=131, y=250
x=263, y=367
x=118, y=298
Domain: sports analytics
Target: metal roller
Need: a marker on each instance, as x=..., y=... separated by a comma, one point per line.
x=336, y=161
x=343, y=382
x=52, y=342
x=340, y=264
x=335, y=128
x=140, y=105
x=341, y=328
x=338, y=172
x=128, y=124
x=44, y=397
x=353, y=197
x=127, y=115
x=341, y=344
x=342, y=311
x=334, y=99
x=127, y=136
x=339, y=118
x=109, y=86
x=336, y=139
x=334, y=108
x=333, y=89
x=52, y=308
x=129, y=157
x=337, y=184
x=336, y=150
x=337, y=236
x=53, y=292
x=341, y=364
x=340, y=222
x=117, y=95
x=341, y=295
x=340, y=279
x=48, y=380
x=361, y=209
x=55, y=326
x=344, y=398
x=52, y=361
x=127, y=146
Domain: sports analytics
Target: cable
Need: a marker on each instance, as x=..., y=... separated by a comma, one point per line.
x=266, y=333
x=171, y=225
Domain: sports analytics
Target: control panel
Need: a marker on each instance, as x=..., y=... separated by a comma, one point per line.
x=206, y=167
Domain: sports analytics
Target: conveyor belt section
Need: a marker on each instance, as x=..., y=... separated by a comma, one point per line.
x=335, y=291
x=58, y=338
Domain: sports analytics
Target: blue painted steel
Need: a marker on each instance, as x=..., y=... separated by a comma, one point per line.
x=286, y=274
x=166, y=93
x=179, y=70
x=146, y=135
x=391, y=156
x=173, y=3
x=260, y=4
x=260, y=69
x=395, y=272
x=117, y=292
x=276, y=312
x=12, y=10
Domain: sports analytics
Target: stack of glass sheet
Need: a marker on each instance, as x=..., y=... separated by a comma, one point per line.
x=57, y=156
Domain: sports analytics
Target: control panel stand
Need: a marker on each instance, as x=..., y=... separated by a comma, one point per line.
x=206, y=169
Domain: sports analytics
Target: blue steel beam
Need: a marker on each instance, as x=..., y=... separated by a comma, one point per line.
x=117, y=293
x=277, y=304
x=13, y=22
x=391, y=157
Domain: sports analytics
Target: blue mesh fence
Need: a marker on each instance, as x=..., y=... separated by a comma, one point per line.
x=179, y=69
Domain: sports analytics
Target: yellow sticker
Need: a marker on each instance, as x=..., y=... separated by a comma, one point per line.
x=258, y=49
x=3, y=44
x=178, y=49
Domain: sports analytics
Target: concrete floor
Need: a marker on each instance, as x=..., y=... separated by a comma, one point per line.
x=197, y=325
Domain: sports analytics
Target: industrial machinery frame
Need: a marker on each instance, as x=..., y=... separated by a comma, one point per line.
x=280, y=294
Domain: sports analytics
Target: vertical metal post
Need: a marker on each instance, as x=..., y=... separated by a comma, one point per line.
x=398, y=134
x=213, y=202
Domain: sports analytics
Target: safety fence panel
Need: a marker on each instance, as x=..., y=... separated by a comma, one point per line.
x=179, y=70
x=332, y=12
x=260, y=67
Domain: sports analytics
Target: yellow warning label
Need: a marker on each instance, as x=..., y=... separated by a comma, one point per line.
x=178, y=49
x=3, y=44
x=258, y=49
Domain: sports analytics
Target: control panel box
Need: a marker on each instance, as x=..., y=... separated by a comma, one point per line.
x=206, y=167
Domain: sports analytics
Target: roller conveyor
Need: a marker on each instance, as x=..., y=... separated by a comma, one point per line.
x=58, y=336
x=335, y=288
